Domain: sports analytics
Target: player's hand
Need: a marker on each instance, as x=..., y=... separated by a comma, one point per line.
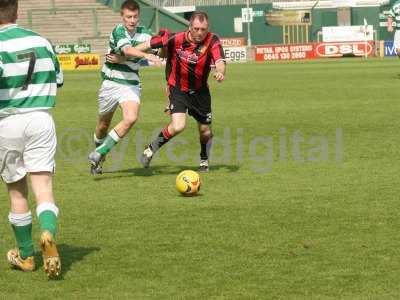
x=167, y=92
x=167, y=109
x=153, y=58
x=219, y=76
x=390, y=28
x=162, y=53
x=115, y=58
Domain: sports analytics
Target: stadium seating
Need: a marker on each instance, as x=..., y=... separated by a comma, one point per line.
x=73, y=21
x=70, y=22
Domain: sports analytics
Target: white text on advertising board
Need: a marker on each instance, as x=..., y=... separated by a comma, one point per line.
x=340, y=49
x=284, y=56
x=285, y=52
x=284, y=49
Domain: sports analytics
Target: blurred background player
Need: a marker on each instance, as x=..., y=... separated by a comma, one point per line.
x=394, y=15
x=29, y=75
x=121, y=83
x=189, y=58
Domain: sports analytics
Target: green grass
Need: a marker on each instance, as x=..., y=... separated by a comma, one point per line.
x=265, y=226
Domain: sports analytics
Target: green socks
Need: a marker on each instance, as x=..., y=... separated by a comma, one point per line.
x=22, y=227
x=110, y=141
x=21, y=224
x=47, y=213
x=98, y=141
x=48, y=221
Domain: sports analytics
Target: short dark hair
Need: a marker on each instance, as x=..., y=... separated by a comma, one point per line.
x=130, y=5
x=200, y=15
x=8, y=11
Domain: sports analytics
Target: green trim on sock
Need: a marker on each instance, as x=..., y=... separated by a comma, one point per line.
x=107, y=145
x=23, y=236
x=48, y=221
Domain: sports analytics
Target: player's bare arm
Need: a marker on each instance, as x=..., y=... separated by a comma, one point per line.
x=390, y=24
x=134, y=52
x=144, y=47
x=138, y=51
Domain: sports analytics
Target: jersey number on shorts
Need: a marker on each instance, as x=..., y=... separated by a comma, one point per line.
x=31, y=56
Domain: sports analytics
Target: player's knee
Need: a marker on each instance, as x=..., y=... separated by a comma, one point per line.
x=206, y=133
x=206, y=138
x=398, y=52
x=42, y=185
x=130, y=120
x=103, y=126
x=177, y=127
x=18, y=190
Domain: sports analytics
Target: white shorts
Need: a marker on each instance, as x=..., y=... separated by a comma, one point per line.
x=27, y=144
x=396, y=40
x=112, y=93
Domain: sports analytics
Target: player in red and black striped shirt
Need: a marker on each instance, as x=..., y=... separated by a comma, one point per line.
x=190, y=55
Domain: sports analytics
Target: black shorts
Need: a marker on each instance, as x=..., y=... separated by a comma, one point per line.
x=196, y=103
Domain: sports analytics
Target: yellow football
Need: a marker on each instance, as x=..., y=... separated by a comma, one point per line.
x=188, y=183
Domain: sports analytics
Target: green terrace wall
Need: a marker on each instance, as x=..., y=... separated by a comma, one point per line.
x=151, y=17
x=222, y=22
x=371, y=14
x=321, y=18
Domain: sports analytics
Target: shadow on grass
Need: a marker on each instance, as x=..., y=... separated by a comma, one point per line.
x=192, y=197
x=161, y=170
x=69, y=255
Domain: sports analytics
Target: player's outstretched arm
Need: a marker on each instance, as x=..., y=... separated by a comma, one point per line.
x=144, y=47
x=134, y=52
x=141, y=49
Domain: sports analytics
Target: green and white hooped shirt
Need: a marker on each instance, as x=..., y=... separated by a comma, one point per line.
x=127, y=72
x=29, y=71
x=395, y=13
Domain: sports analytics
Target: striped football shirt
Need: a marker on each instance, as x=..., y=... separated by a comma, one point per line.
x=188, y=63
x=127, y=72
x=29, y=71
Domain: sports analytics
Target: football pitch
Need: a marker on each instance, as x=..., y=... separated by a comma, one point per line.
x=301, y=202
